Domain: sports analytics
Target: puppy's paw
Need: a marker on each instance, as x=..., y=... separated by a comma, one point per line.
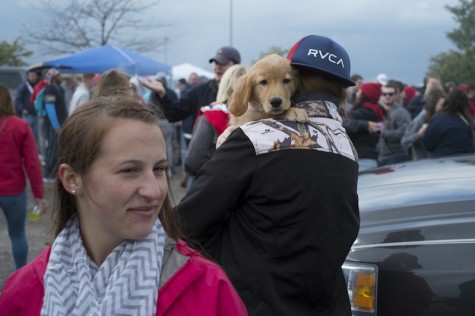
x=296, y=115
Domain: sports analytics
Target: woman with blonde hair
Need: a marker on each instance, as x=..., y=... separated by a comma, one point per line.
x=412, y=138
x=431, y=84
x=228, y=82
x=211, y=122
x=18, y=157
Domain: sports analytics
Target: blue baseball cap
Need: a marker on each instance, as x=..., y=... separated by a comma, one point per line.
x=322, y=54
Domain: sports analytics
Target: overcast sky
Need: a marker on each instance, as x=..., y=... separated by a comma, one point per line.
x=396, y=37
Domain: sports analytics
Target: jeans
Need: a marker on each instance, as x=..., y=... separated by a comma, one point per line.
x=183, y=146
x=14, y=208
x=50, y=151
x=33, y=122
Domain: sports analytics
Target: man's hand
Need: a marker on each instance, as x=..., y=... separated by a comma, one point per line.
x=422, y=130
x=154, y=85
x=374, y=127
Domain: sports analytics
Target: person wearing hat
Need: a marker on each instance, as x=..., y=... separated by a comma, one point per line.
x=394, y=125
x=26, y=109
x=409, y=94
x=200, y=95
x=276, y=205
x=364, y=122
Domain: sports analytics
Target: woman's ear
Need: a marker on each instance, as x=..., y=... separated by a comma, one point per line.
x=70, y=179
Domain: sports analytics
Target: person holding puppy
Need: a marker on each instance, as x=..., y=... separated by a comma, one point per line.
x=276, y=205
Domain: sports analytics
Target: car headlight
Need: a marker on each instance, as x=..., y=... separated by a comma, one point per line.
x=361, y=280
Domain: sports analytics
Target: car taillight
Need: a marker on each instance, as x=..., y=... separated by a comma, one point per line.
x=361, y=284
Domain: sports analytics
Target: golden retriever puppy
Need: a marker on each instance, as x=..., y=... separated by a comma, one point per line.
x=265, y=91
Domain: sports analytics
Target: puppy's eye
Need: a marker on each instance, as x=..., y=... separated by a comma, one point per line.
x=286, y=80
x=263, y=82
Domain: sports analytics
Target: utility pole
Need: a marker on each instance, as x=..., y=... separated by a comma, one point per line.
x=230, y=22
x=165, y=43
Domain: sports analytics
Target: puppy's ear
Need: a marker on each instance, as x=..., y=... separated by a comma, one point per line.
x=296, y=82
x=237, y=103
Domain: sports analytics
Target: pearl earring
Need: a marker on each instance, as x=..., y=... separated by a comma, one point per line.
x=73, y=191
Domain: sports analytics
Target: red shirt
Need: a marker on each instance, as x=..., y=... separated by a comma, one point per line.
x=18, y=153
x=36, y=90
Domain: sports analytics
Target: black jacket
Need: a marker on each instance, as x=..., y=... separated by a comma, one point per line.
x=190, y=101
x=22, y=99
x=448, y=135
x=277, y=207
x=356, y=125
x=416, y=105
x=55, y=94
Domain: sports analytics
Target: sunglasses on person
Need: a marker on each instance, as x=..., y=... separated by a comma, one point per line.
x=390, y=94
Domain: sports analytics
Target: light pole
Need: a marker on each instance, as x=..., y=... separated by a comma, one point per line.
x=230, y=22
x=165, y=43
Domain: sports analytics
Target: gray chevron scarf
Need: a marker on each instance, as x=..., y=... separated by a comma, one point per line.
x=126, y=283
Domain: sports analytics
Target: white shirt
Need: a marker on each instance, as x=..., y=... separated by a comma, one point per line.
x=81, y=95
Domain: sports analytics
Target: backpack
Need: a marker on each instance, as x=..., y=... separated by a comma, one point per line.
x=45, y=107
x=40, y=104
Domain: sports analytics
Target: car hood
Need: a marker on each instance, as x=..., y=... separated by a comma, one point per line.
x=424, y=200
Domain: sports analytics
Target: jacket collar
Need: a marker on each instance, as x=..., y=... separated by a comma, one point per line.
x=317, y=95
x=318, y=104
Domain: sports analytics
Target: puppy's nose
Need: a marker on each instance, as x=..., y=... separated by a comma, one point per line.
x=276, y=102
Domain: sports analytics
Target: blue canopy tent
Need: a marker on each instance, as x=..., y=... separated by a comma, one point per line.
x=103, y=58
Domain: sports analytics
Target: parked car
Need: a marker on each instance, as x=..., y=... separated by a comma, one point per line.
x=12, y=77
x=415, y=252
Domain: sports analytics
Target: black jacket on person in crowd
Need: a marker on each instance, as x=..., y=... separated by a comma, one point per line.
x=190, y=101
x=54, y=93
x=22, y=99
x=277, y=207
x=448, y=135
x=157, y=105
x=416, y=105
x=356, y=125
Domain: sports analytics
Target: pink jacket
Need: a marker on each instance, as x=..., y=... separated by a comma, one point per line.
x=18, y=154
x=198, y=287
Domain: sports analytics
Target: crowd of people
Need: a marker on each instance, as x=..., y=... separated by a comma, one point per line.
x=262, y=230
x=376, y=118
x=390, y=122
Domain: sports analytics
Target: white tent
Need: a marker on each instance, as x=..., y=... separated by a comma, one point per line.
x=184, y=70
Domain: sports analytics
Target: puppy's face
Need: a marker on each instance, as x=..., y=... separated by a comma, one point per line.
x=270, y=82
x=274, y=82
